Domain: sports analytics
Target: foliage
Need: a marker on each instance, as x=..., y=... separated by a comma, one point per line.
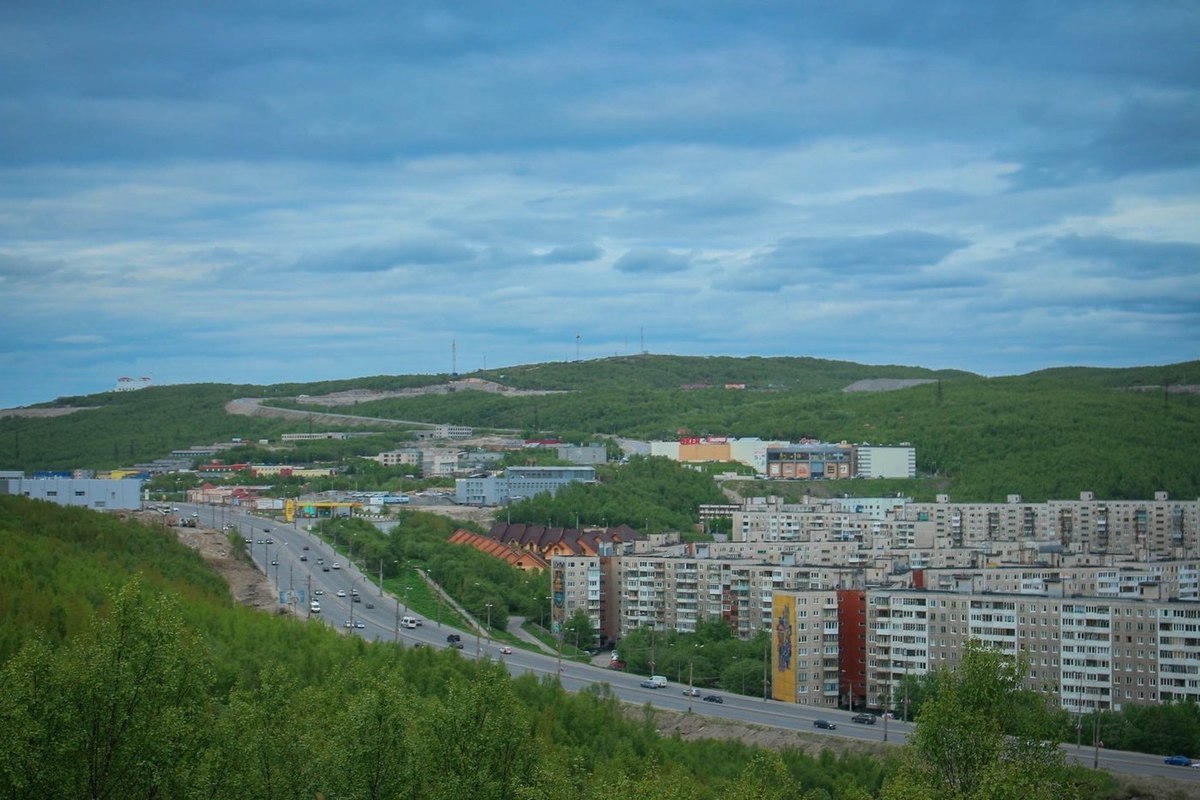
x=578, y=630
x=648, y=494
x=167, y=690
x=1047, y=435
x=711, y=657
x=979, y=735
x=1167, y=729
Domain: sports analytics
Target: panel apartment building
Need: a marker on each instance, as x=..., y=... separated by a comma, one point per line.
x=1089, y=653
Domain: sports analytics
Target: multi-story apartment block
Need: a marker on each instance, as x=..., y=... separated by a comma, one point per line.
x=404, y=457
x=577, y=584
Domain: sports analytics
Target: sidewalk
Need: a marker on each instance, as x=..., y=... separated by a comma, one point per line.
x=514, y=627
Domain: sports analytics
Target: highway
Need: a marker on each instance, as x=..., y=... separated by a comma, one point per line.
x=381, y=623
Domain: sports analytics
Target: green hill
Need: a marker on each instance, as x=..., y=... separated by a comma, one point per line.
x=1049, y=434
x=127, y=673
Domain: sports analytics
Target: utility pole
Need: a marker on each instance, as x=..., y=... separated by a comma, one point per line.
x=489, y=623
x=398, y=619
x=381, y=576
x=766, y=662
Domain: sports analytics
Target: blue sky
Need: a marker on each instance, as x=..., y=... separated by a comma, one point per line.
x=256, y=192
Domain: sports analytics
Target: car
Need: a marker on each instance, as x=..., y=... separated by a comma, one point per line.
x=341, y=592
x=358, y=623
x=824, y=723
x=303, y=557
x=325, y=568
x=1178, y=761
x=336, y=565
x=713, y=698
x=262, y=541
x=354, y=592
x=456, y=645
x=616, y=665
x=649, y=684
x=270, y=541
x=506, y=650
x=249, y=541
x=453, y=637
x=863, y=719
x=320, y=560
x=370, y=605
x=318, y=592
x=692, y=692
x=274, y=562
x=348, y=624
x=305, y=547
x=356, y=599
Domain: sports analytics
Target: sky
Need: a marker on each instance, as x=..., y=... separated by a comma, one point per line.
x=261, y=192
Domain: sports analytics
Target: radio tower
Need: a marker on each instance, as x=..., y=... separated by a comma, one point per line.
x=453, y=358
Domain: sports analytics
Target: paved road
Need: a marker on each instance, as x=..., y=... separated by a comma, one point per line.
x=382, y=623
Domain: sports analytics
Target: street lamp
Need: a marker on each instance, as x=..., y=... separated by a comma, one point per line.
x=489, y=623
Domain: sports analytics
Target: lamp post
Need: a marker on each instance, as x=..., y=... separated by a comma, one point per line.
x=766, y=660
x=381, y=576
x=489, y=624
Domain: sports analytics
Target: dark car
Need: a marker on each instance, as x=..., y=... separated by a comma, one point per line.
x=456, y=645
x=303, y=557
x=1178, y=761
x=863, y=719
x=453, y=637
x=713, y=698
x=824, y=723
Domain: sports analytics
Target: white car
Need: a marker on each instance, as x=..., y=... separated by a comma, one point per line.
x=336, y=565
x=506, y=650
x=341, y=592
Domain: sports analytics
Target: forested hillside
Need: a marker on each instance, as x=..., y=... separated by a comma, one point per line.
x=1118, y=432
x=128, y=674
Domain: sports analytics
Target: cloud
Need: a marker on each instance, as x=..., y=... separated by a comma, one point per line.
x=653, y=261
x=877, y=254
x=987, y=187
x=1109, y=255
x=386, y=257
x=81, y=338
x=572, y=253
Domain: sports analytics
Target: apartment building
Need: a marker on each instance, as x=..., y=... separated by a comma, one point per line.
x=404, y=457
x=577, y=583
x=1142, y=529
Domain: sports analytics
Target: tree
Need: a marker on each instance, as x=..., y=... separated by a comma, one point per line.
x=578, y=629
x=980, y=735
x=119, y=712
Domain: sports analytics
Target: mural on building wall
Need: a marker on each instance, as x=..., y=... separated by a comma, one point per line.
x=783, y=610
x=559, y=597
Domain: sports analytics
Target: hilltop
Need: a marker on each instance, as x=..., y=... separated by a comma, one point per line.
x=1122, y=433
